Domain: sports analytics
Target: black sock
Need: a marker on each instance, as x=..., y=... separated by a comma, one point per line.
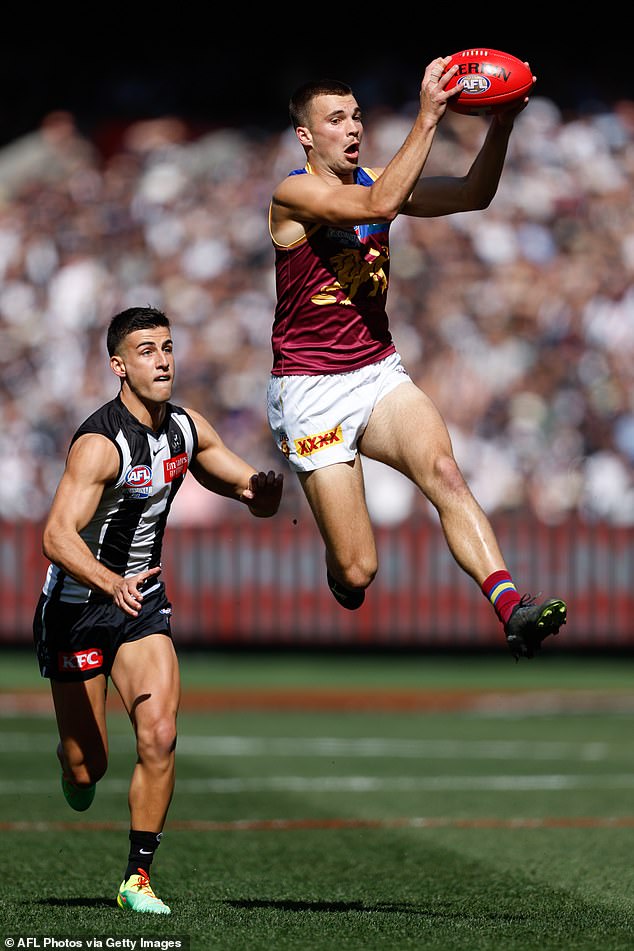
x=143, y=845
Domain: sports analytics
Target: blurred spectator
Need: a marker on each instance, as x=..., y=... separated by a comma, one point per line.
x=518, y=321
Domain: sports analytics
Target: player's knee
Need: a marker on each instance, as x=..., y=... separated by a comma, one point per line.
x=358, y=573
x=157, y=740
x=87, y=771
x=448, y=476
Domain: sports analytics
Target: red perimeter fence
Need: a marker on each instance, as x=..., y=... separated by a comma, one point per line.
x=261, y=583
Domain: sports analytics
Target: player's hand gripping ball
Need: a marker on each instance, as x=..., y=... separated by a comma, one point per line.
x=490, y=81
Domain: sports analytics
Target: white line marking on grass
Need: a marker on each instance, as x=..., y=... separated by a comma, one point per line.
x=389, y=747
x=351, y=784
x=361, y=784
x=362, y=747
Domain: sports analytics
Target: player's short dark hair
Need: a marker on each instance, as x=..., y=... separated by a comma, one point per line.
x=299, y=104
x=134, y=318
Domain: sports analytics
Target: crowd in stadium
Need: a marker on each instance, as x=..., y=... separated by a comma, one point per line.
x=518, y=321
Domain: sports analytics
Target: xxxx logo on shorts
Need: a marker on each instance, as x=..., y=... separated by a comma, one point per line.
x=311, y=444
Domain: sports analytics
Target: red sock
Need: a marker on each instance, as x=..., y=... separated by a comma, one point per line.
x=502, y=593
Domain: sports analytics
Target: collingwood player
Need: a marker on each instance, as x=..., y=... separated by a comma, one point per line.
x=103, y=612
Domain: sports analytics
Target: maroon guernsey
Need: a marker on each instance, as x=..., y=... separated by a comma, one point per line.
x=331, y=291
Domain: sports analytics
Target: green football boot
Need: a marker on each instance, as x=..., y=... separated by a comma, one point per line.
x=136, y=894
x=78, y=797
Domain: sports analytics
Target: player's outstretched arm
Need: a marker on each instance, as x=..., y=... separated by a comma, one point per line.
x=222, y=471
x=445, y=195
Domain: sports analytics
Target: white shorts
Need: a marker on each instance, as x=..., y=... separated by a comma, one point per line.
x=317, y=420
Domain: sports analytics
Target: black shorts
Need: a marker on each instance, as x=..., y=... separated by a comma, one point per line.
x=75, y=642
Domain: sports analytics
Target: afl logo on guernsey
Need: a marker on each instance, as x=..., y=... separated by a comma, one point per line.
x=138, y=482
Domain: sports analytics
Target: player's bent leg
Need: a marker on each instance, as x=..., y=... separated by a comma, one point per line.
x=336, y=497
x=407, y=432
x=82, y=750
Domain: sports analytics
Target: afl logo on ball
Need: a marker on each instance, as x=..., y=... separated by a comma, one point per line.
x=474, y=85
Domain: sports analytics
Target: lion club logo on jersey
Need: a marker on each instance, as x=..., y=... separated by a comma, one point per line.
x=175, y=467
x=353, y=271
x=138, y=482
x=80, y=660
x=309, y=445
x=284, y=446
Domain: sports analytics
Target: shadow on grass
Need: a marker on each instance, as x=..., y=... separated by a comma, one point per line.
x=77, y=902
x=335, y=907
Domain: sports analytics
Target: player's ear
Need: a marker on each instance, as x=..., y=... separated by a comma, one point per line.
x=304, y=135
x=117, y=365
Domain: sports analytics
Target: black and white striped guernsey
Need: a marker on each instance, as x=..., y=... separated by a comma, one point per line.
x=126, y=532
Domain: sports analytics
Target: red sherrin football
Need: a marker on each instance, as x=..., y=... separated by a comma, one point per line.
x=490, y=81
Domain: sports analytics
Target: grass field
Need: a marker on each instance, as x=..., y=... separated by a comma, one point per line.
x=351, y=802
